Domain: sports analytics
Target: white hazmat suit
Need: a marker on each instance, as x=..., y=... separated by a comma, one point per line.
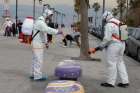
x=38, y=44
x=114, y=50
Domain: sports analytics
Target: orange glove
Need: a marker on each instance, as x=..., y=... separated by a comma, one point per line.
x=92, y=50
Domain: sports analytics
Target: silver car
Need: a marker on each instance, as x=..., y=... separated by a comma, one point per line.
x=133, y=45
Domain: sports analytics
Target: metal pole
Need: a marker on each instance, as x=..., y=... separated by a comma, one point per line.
x=121, y=11
x=102, y=21
x=127, y=2
x=34, y=9
x=16, y=13
x=103, y=6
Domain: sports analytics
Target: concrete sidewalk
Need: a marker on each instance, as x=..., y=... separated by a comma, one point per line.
x=15, y=62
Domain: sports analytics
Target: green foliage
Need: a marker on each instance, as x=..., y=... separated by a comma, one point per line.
x=96, y=6
x=133, y=18
x=121, y=7
x=134, y=4
x=121, y=3
x=77, y=6
x=115, y=11
x=87, y=2
x=77, y=24
x=130, y=22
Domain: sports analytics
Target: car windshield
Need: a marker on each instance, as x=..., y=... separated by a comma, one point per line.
x=131, y=31
x=137, y=34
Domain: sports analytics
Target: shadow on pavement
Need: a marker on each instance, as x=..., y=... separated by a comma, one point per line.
x=86, y=59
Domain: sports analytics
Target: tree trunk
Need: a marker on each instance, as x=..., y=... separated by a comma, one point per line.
x=84, y=30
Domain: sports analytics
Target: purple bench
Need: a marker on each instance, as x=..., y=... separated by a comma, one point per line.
x=68, y=70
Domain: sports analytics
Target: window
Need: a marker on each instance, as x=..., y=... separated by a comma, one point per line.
x=133, y=33
x=90, y=19
x=137, y=35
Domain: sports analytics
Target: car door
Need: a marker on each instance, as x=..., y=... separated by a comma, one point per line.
x=136, y=42
x=132, y=45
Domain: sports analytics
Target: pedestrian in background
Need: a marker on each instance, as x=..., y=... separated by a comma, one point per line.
x=49, y=36
x=14, y=29
x=8, y=27
x=19, y=26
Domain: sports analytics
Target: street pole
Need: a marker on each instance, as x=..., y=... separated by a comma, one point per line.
x=102, y=20
x=34, y=9
x=103, y=6
x=127, y=3
x=16, y=13
x=121, y=10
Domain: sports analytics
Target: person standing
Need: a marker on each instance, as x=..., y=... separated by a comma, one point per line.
x=14, y=29
x=19, y=26
x=8, y=27
x=114, y=48
x=49, y=36
x=38, y=44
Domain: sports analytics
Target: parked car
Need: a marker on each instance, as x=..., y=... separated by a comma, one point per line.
x=133, y=44
x=96, y=32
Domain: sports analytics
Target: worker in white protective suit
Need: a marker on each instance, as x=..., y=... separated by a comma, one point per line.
x=40, y=28
x=114, y=48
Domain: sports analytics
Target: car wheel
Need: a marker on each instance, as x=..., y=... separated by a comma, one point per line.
x=138, y=55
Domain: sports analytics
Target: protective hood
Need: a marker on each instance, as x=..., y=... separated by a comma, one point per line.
x=41, y=18
x=47, y=13
x=107, y=15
